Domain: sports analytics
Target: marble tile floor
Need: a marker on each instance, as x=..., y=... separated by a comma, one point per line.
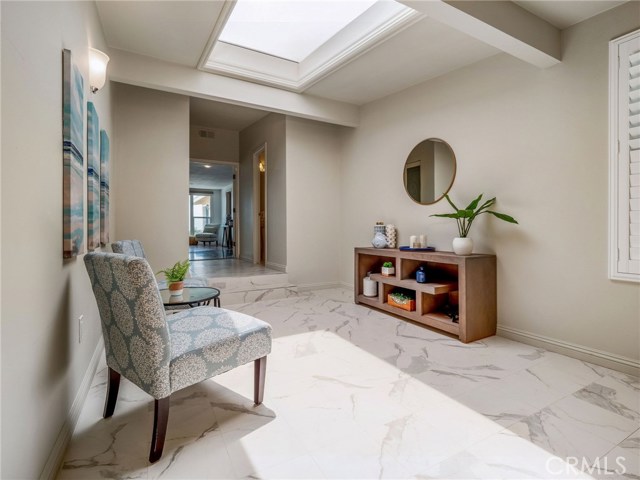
x=353, y=393
x=228, y=267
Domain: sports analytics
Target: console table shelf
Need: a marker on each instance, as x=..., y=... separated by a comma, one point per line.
x=472, y=276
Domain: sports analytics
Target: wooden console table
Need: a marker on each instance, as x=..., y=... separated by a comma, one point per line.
x=473, y=276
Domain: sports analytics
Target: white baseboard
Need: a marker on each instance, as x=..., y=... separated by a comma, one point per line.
x=346, y=285
x=276, y=266
x=305, y=287
x=246, y=259
x=599, y=357
x=50, y=470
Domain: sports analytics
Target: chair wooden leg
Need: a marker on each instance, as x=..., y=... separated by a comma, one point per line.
x=259, y=372
x=113, y=385
x=160, y=420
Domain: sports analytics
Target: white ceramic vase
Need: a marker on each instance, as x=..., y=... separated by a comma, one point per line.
x=462, y=245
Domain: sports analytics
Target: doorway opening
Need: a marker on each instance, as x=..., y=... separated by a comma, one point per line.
x=260, y=205
x=212, y=187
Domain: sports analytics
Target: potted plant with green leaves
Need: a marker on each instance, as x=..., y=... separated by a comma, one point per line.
x=175, y=277
x=388, y=270
x=463, y=245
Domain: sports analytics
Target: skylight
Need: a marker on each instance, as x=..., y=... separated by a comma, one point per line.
x=292, y=44
x=289, y=29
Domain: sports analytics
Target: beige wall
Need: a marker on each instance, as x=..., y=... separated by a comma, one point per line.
x=43, y=363
x=536, y=139
x=152, y=171
x=222, y=148
x=269, y=130
x=313, y=202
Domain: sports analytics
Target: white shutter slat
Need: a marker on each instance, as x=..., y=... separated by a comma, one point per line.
x=624, y=257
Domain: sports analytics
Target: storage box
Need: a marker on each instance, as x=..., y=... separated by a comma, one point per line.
x=408, y=305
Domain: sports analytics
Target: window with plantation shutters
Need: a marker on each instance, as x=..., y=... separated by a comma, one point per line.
x=624, y=104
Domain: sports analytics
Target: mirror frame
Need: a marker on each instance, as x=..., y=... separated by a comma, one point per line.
x=453, y=177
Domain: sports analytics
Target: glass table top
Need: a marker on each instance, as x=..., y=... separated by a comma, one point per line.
x=189, y=295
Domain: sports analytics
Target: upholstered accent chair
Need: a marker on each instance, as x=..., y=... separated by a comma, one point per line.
x=162, y=353
x=209, y=234
x=134, y=248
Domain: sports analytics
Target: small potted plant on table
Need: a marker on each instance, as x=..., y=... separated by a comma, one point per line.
x=175, y=277
x=388, y=269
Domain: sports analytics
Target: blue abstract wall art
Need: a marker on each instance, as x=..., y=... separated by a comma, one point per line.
x=104, y=187
x=93, y=178
x=73, y=159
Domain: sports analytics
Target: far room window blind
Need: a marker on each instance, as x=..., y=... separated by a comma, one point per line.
x=624, y=86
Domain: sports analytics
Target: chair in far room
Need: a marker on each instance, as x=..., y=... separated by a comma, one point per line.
x=209, y=234
x=162, y=353
x=134, y=248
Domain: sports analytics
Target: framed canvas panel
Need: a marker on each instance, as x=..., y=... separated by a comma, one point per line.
x=93, y=178
x=73, y=159
x=104, y=187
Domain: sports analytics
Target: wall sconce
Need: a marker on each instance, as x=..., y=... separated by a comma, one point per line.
x=261, y=166
x=97, y=69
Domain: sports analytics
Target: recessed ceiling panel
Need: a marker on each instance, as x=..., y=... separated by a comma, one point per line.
x=174, y=31
x=425, y=50
x=289, y=29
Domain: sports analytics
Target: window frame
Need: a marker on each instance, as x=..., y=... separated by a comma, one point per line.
x=617, y=178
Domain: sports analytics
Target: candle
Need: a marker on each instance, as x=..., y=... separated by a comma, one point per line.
x=423, y=241
x=412, y=241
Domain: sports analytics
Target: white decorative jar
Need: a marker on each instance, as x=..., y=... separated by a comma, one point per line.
x=391, y=234
x=379, y=240
x=369, y=287
x=462, y=246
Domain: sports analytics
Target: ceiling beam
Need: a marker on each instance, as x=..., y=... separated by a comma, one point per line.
x=501, y=24
x=141, y=71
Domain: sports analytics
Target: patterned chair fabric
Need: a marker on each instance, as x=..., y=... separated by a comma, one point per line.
x=134, y=248
x=163, y=354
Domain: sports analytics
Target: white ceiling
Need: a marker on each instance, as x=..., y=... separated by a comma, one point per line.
x=564, y=13
x=208, y=113
x=174, y=31
x=214, y=178
x=425, y=50
x=179, y=32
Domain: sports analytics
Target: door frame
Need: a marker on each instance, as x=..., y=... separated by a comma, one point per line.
x=256, y=203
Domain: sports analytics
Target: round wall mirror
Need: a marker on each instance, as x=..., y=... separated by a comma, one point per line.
x=429, y=171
